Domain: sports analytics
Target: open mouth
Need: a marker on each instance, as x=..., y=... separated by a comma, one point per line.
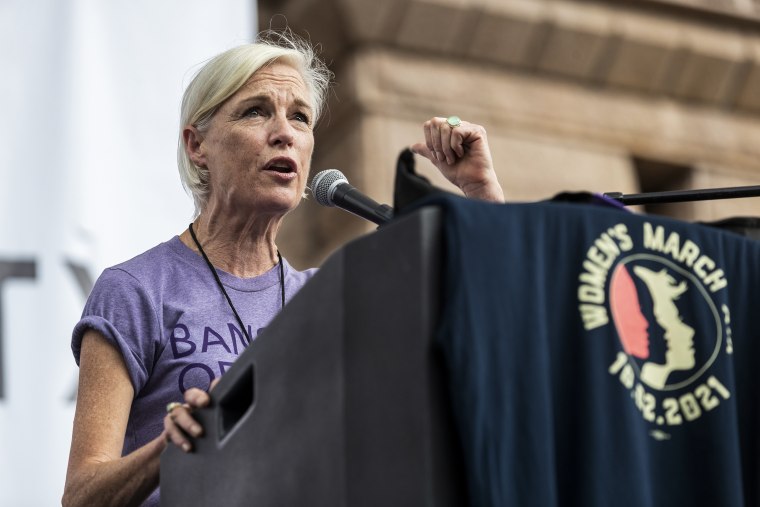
x=281, y=165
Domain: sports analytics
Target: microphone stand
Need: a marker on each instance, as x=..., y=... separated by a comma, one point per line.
x=685, y=195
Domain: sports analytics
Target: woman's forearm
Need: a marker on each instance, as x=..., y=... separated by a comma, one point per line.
x=126, y=481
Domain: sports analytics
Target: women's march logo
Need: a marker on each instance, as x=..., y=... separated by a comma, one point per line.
x=658, y=295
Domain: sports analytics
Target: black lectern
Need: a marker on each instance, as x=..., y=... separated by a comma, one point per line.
x=342, y=400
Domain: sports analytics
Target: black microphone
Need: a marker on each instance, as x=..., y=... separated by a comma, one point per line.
x=330, y=188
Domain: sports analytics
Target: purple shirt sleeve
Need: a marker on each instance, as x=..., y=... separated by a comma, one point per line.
x=121, y=310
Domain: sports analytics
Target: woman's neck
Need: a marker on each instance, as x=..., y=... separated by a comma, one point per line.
x=244, y=248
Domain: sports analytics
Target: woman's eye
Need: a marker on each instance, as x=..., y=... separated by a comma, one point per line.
x=254, y=112
x=301, y=117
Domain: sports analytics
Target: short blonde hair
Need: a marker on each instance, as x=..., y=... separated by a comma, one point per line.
x=225, y=74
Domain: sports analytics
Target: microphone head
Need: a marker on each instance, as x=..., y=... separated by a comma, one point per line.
x=324, y=183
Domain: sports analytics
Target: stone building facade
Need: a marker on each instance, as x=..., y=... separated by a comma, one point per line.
x=618, y=95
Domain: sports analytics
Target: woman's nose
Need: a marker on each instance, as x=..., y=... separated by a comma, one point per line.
x=282, y=131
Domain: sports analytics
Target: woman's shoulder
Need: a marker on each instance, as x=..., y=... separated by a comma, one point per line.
x=297, y=277
x=149, y=266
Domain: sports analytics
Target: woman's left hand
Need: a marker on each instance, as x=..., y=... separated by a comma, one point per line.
x=462, y=155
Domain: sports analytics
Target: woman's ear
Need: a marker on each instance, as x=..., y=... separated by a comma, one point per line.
x=194, y=145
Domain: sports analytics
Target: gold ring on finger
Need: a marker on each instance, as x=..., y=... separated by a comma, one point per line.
x=171, y=406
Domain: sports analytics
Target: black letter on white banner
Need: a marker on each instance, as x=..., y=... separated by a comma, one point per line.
x=11, y=269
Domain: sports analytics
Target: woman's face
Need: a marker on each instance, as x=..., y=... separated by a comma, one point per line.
x=258, y=145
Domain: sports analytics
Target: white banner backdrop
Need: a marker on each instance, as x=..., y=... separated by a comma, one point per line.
x=89, y=95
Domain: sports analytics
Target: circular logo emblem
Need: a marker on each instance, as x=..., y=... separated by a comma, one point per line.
x=665, y=320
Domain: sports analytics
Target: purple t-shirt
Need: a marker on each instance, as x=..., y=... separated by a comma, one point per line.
x=166, y=314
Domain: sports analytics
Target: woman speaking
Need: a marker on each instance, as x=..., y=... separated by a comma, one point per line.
x=159, y=328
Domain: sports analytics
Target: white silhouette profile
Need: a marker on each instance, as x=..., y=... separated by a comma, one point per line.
x=679, y=337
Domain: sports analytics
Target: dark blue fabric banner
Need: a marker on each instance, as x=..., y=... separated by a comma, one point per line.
x=601, y=358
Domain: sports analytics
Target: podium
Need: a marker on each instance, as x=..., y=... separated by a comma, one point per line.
x=342, y=400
